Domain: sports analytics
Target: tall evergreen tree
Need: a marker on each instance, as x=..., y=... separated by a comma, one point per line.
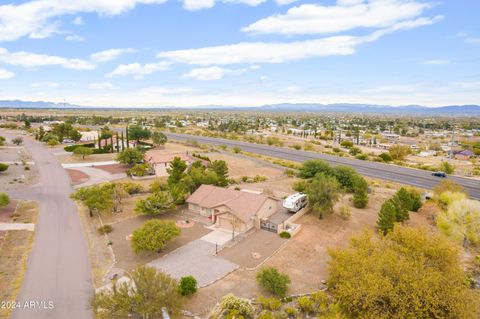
x=387, y=217
x=123, y=142
x=118, y=144
x=126, y=132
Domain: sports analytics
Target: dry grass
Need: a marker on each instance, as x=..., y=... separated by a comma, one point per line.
x=15, y=246
x=67, y=159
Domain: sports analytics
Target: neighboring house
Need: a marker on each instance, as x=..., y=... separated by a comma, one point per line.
x=228, y=208
x=464, y=155
x=161, y=160
x=89, y=136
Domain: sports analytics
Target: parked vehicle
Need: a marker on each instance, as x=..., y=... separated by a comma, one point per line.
x=295, y=202
x=439, y=174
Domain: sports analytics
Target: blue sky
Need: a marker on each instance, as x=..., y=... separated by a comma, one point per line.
x=240, y=52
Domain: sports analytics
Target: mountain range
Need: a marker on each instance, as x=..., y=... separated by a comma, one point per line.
x=467, y=110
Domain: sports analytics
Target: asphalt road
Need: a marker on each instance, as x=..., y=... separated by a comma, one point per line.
x=403, y=175
x=58, y=281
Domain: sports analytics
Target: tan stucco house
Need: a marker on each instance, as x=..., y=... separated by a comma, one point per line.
x=228, y=208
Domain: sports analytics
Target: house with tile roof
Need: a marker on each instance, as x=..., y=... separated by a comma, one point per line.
x=232, y=209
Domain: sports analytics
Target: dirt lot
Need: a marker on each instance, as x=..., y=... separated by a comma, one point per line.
x=305, y=257
x=77, y=177
x=19, y=171
x=7, y=211
x=67, y=159
x=241, y=166
x=253, y=250
x=127, y=259
x=14, y=249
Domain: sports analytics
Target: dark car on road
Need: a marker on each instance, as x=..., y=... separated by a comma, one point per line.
x=439, y=174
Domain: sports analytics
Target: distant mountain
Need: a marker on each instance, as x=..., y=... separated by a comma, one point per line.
x=19, y=104
x=284, y=107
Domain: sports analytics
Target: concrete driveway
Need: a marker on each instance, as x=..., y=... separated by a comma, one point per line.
x=196, y=259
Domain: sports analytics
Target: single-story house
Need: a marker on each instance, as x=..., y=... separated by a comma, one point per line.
x=229, y=208
x=160, y=160
x=464, y=155
x=89, y=136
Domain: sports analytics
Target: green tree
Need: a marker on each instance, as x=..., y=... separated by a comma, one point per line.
x=143, y=296
x=410, y=273
x=322, y=192
x=83, y=151
x=158, y=138
x=2, y=141
x=138, y=133
x=346, y=176
x=311, y=168
x=154, y=235
x=446, y=167
x=130, y=156
x=387, y=217
x=96, y=198
x=188, y=286
x=155, y=204
x=360, y=192
x=404, y=198
x=386, y=157
x=4, y=200
x=273, y=281
x=176, y=171
x=399, y=152
x=221, y=169
x=3, y=167
x=416, y=199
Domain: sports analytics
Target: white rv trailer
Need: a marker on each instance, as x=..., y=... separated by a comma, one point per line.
x=295, y=202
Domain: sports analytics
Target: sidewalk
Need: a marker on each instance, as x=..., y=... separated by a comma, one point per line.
x=16, y=226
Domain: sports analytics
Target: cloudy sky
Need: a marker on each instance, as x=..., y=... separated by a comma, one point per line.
x=240, y=52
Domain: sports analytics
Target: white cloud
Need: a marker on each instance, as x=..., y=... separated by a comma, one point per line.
x=74, y=37
x=436, y=62
x=109, y=55
x=78, y=20
x=34, y=18
x=4, y=74
x=281, y=52
x=206, y=4
x=33, y=60
x=49, y=85
x=102, y=86
x=344, y=16
x=211, y=73
x=138, y=70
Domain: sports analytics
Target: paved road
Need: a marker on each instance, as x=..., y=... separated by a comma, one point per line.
x=404, y=175
x=58, y=268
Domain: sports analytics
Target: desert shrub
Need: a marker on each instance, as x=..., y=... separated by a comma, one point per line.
x=272, y=304
x=289, y=172
x=236, y=149
x=306, y=304
x=132, y=188
x=140, y=170
x=361, y=157
x=238, y=306
x=285, y=234
x=346, y=144
x=187, y=286
x=3, y=167
x=297, y=146
x=259, y=178
x=291, y=312
x=105, y=229
x=386, y=157
x=273, y=281
x=345, y=212
x=158, y=186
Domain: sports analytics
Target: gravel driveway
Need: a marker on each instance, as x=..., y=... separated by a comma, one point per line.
x=196, y=259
